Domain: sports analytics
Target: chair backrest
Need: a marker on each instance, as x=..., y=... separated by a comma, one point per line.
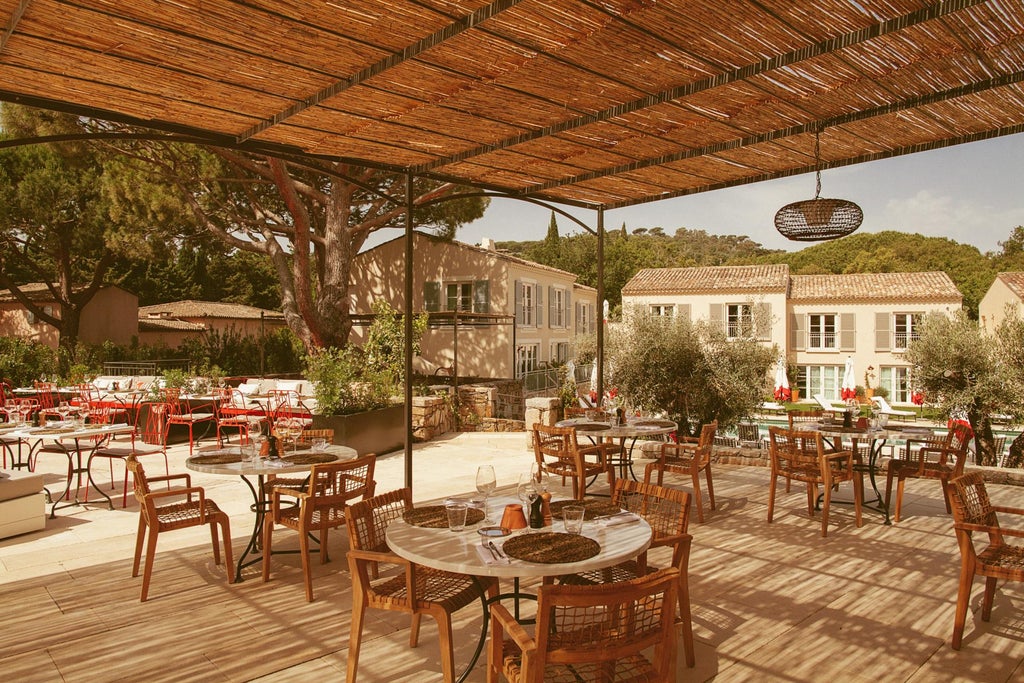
x=335, y=483
x=45, y=392
x=153, y=426
x=575, y=411
x=970, y=502
x=590, y=627
x=311, y=435
x=172, y=398
x=369, y=518
x=794, y=449
x=227, y=397
x=667, y=510
x=553, y=442
x=748, y=432
x=799, y=416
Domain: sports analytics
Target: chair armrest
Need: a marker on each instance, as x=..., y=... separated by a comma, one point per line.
x=171, y=477
x=990, y=530
x=1008, y=510
x=689, y=448
x=688, y=439
x=184, y=492
x=376, y=556
x=500, y=617
x=667, y=540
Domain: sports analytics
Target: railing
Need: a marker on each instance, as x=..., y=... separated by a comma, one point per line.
x=145, y=367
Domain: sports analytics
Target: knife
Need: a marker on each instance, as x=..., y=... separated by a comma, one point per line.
x=496, y=550
x=491, y=549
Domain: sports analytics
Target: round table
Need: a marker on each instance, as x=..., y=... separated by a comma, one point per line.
x=245, y=469
x=457, y=552
x=633, y=428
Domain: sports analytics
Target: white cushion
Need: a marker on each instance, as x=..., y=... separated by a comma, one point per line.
x=249, y=387
x=295, y=385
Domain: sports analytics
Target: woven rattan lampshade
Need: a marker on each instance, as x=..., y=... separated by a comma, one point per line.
x=818, y=219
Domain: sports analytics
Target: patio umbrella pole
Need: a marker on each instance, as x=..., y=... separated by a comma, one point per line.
x=600, y=297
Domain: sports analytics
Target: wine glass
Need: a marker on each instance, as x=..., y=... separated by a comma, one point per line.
x=485, y=484
x=63, y=408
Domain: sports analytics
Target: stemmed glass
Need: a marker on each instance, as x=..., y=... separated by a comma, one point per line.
x=63, y=409
x=485, y=485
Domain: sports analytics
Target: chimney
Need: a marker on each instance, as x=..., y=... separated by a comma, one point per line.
x=487, y=243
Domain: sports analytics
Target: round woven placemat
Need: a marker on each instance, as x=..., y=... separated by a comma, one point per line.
x=591, y=508
x=435, y=516
x=216, y=459
x=592, y=427
x=310, y=458
x=654, y=423
x=551, y=548
x=53, y=430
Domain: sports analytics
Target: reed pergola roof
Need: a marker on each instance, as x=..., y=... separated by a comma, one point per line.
x=598, y=103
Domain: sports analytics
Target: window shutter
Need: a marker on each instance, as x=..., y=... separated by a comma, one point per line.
x=883, y=331
x=568, y=309
x=798, y=331
x=539, y=291
x=847, y=332
x=683, y=311
x=552, y=307
x=432, y=296
x=763, y=320
x=519, y=302
x=481, y=296
x=576, y=318
x=592, y=318
x=716, y=316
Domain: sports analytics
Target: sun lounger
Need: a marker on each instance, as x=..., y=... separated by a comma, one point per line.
x=829, y=406
x=772, y=407
x=885, y=409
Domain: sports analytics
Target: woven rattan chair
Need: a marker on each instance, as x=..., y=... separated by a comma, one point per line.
x=331, y=488
x=940, y=459
x=689, y=456
x=609, y=632
x=973, y=511
x=416, y=590
x=668, y=512
x=798, y=417
x=799, y=455
x=177, y=515
x=558, y=452
x=308, y=436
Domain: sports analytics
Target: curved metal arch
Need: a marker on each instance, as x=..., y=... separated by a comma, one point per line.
x=502, y=195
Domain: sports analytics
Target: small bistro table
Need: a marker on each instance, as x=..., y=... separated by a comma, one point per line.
x=246, y=470
x=633, y=429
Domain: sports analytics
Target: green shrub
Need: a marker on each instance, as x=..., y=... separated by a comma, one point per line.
x=23, y=361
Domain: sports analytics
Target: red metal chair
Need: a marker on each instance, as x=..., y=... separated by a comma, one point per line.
x=150, y=442
x=232, y=413
x=180, y=413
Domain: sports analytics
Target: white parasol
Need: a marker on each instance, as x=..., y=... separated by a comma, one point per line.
x=848, y=389
x=782, y=392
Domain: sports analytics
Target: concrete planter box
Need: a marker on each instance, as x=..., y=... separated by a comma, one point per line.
x=375, y=431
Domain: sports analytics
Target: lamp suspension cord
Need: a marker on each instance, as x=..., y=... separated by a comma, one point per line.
x=817, y=163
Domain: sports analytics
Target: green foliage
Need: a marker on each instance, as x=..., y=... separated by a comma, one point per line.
x=385, y=340
x=689, y=370
x=964, y=371
x=881, y=392
x=239, y=355
x=344, y=384
x=23, y=361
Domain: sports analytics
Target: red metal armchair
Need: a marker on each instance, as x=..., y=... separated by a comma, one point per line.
x=180, y=413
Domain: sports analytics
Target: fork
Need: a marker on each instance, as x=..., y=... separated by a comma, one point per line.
x=496, y=551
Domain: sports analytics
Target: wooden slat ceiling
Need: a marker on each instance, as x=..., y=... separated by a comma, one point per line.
x=593, y=103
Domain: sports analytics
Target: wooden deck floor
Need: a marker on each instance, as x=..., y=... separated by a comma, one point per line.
x=771, y=602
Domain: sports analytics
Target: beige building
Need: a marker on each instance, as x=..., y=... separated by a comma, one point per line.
x=171, y=323
x=816, y=321
x=110, y=315
x=1006, y=290
x=492, y=314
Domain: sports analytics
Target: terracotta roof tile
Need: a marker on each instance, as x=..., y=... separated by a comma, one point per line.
x=204, y=309
x=160, y=325
x=709, y=279
x=918, y=287
x=1014, y=282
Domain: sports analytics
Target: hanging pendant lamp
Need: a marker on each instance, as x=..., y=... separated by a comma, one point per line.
x=818, y=219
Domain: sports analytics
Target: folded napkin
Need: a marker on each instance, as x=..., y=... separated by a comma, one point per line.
x=615, y=520
x=487, y=558
x=277, y=463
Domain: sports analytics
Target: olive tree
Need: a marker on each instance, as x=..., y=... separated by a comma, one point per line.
x=967, y=372
x=690, y=370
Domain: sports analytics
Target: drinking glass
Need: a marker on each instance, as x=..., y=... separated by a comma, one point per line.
x=485, y=485
x=320, y=445
x=542, y=481
x=572, y=518
x=456, y=515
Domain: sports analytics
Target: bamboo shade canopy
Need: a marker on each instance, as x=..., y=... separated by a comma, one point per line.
x=598, y=103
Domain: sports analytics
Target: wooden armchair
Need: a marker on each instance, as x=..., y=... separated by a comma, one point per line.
x=322, y=507
x=973, y=511
x=668, y=512
x=558, y=452
x=940, y=459
x=176, y=515
x=690, y=456
x=799, y=455
x=591, y=633
x=417, y=590
x=308, y=436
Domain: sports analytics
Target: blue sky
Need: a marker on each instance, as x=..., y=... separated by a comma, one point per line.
x=971, y=193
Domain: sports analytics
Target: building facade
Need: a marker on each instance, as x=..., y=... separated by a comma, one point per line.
x=171, y=323
x=815, y=321
x=109, y=316
x=490, y=314
x=1006, y=290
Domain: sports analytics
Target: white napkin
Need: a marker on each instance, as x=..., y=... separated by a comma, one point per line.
x=615, y=520
x=485, y=555
x=277, y=463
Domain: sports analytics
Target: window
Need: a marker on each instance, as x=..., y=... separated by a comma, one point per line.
x=821, y=330
x=557, y=304
x=560, y=353
x=820, y=379
x=906, y=328
x=663, y=310
x=897, y=380
x=739, y=321
x=459, y=297
x=526, y=358
x=583, y=318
